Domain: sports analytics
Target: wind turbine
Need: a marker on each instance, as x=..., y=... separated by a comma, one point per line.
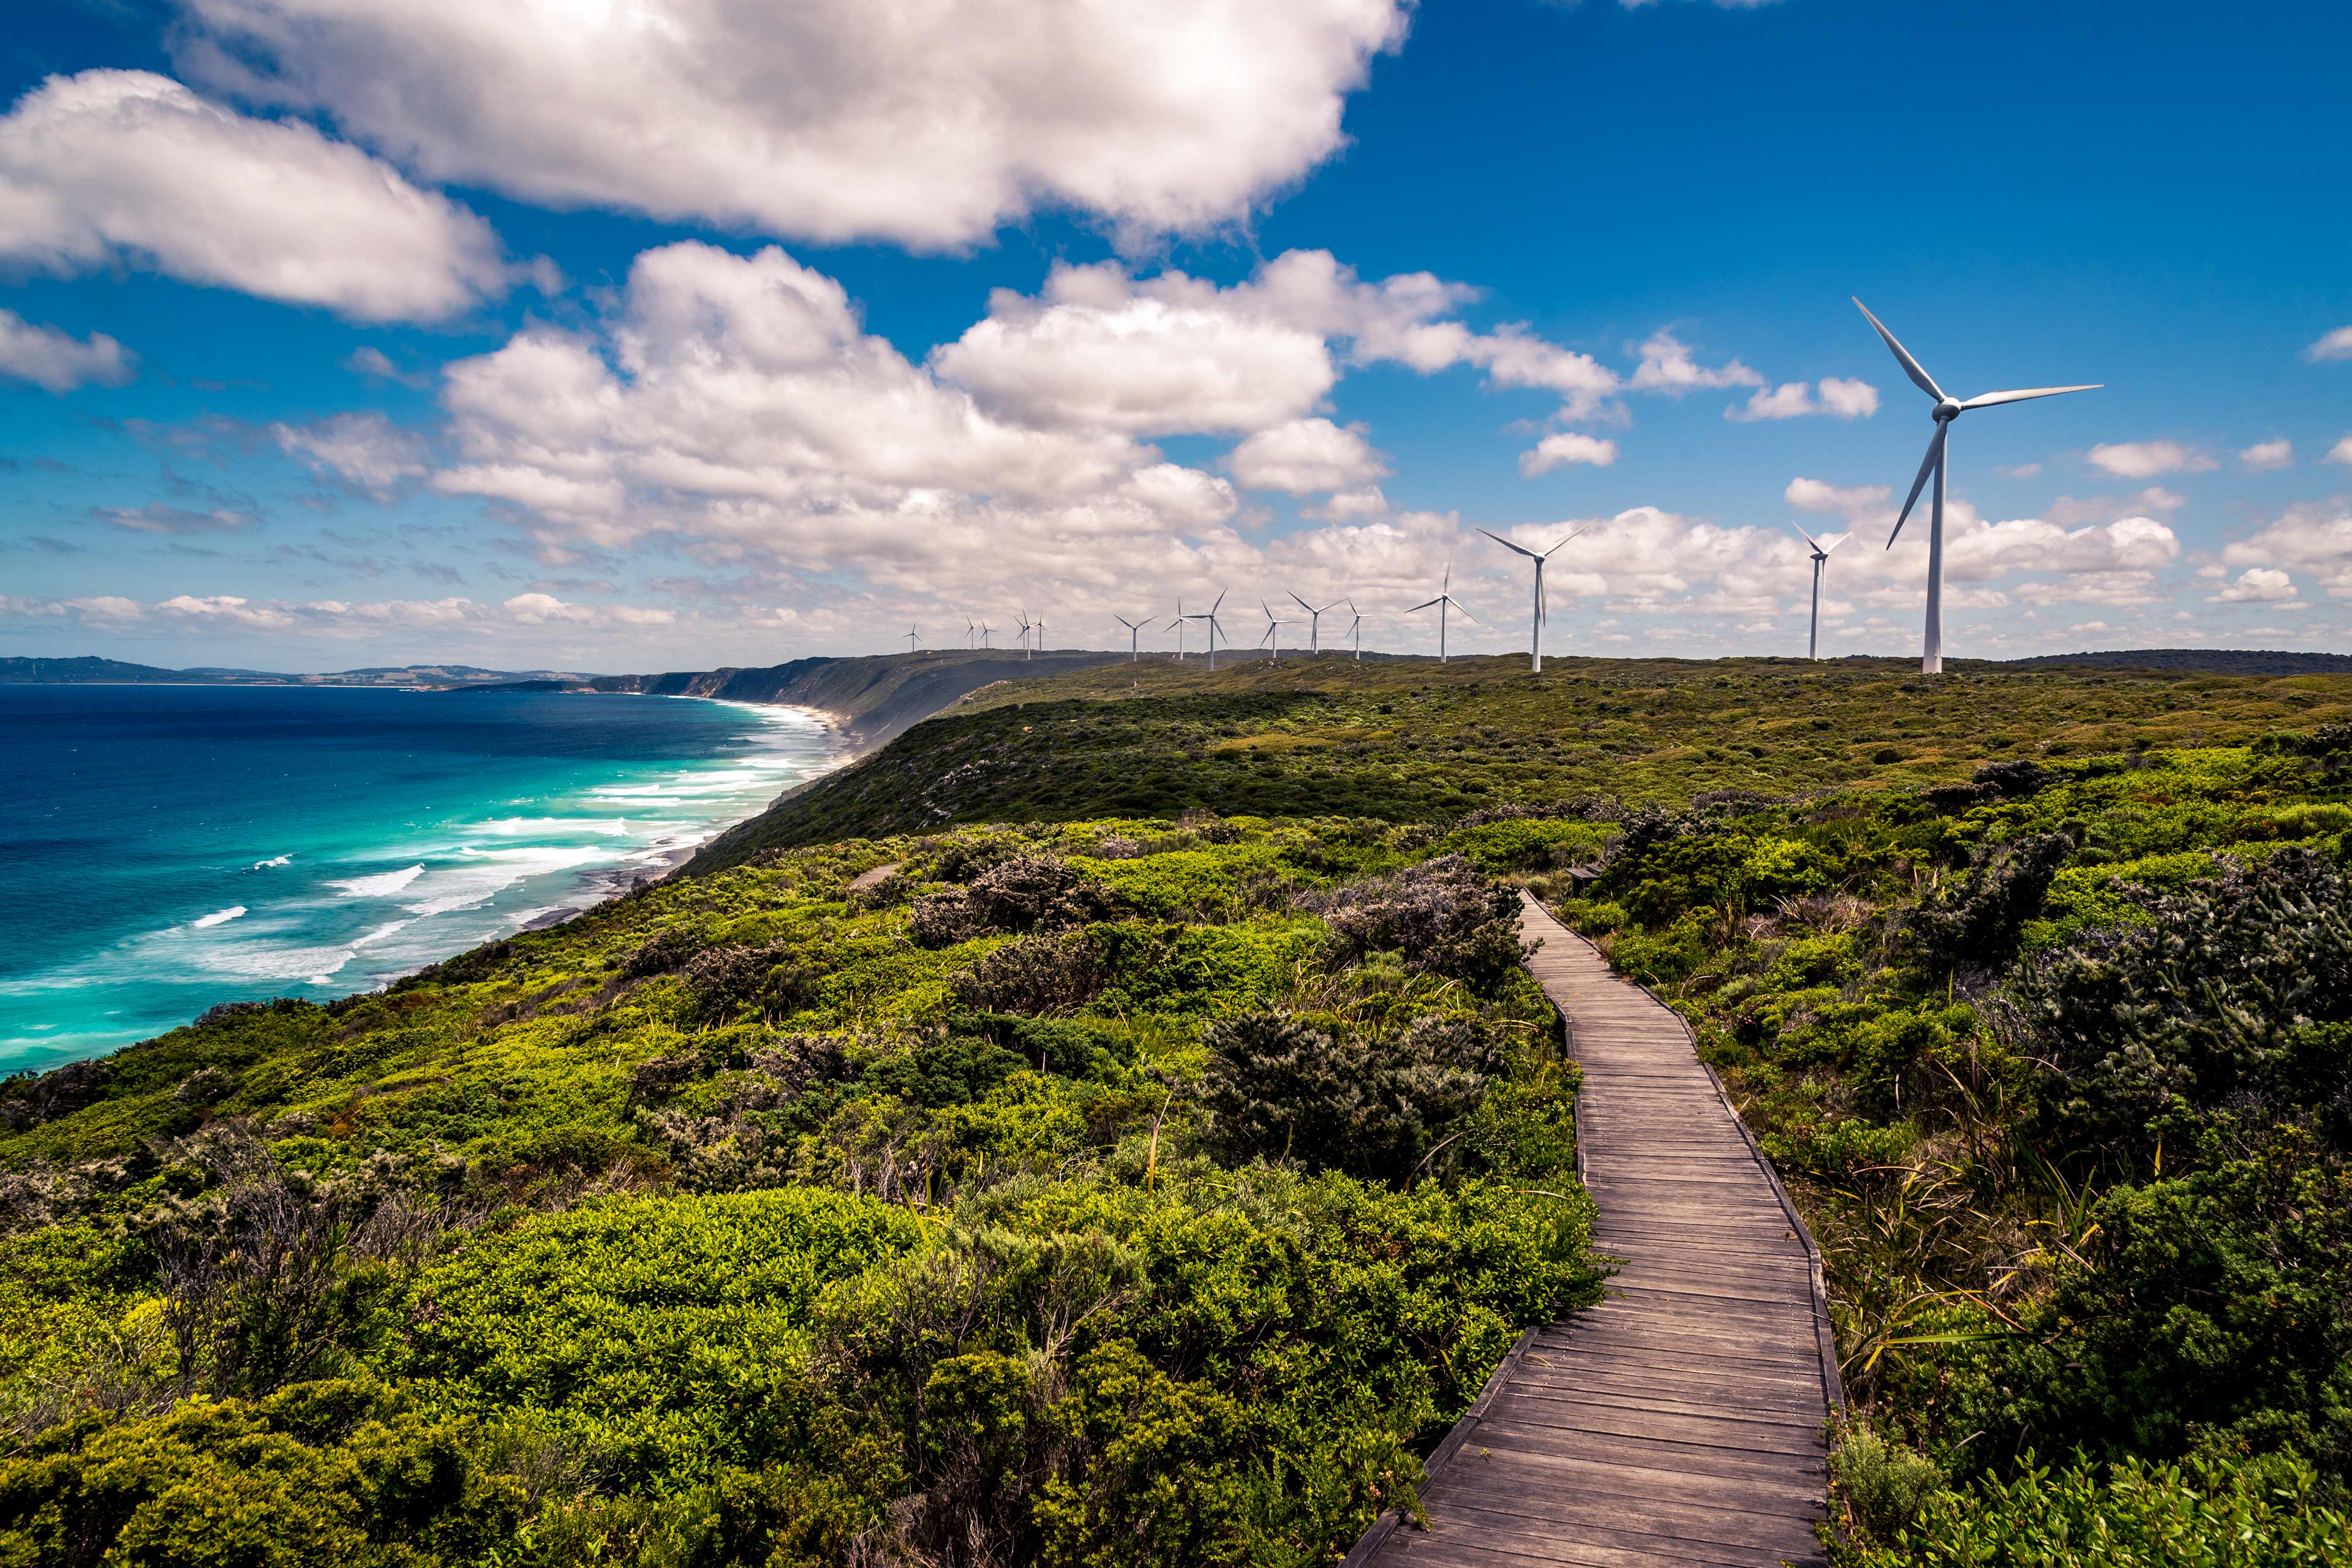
x=1273, y=625
x=1134, y=630
x=1356, y=630
x=1021, y=617
x=1947, y=408
x=911, y=639
x=1039, y=628
x=983, y=634
x=1444, y=601
x=1178, y=620
x=1820, y=559
x=1535, y=634
x=1314, y=622
x=1210, y=615
x=971, y=632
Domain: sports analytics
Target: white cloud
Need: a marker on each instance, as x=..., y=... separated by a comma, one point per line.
x=1566, y=447
x=365, y=448
x=2147, y=460
x=2256, y=584
x=57, y=361
x=2263, y=457
x=1796, y=399
x=1667, y=366
x=2030, y=544
x=2312, y=537
x=158, y=518
x=930, y=124
x=1094, y=352
x=115, y=167
x=2156, y=498
x=1857, y=503
x=1306, y=457
x=2336, y=345
x=2341, y=452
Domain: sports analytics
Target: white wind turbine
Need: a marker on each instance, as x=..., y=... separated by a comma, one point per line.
x=1356, y=630
x=1820, y=559
x=1210, y=615
x=983, y=634
x=1444, y=601
x=1134, y=629
x=1947, y=408
x=1038, y=626
x=1273, y=625
x=1535, y=634
x=1021, y=618
x=1315, y=621
x=911, y=639
x=971, y=632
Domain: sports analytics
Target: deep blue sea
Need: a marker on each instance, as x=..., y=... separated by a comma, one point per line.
x=167, y=848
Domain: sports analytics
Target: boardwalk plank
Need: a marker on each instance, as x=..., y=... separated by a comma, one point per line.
x=1680, y=1423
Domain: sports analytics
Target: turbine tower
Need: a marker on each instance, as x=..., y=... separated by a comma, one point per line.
x=1021, y=617
x=1947, y=408
x=1356, y=630
x=1314, y=622
x=911, y=639
x=1535, y=634
x=1134, y=630
x=1039, y=628
x=983, y=634
x=1444, y=601
x=971, y=632
x=1178, y=620
x=1820, y=559
x=1273, y=625
x=1210, y=615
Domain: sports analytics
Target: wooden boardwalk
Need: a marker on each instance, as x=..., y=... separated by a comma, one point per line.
x=1681, y=1421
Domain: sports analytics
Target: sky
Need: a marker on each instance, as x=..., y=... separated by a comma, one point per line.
x=577, y=334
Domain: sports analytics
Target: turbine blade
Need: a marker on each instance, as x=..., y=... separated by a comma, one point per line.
x=1841, y=538
x=1304, y=604
x=1911, y=367
x=1418, y=608
x=1220, y=604
x=1989, y=398
x=1572, y=538
x=1465, y=613
x=1927, y=466
x=1509, y=545
x=1807, y=538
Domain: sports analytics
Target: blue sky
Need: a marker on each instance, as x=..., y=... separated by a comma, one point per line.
x=374, y=330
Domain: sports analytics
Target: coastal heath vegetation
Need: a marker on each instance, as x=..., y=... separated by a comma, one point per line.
x=992, y=1196
x=1110, y=1125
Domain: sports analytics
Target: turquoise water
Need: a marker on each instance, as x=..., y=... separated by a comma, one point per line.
x=170, y=848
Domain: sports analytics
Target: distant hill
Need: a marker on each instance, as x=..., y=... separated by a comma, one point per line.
x=2204, y=660
x=115, y=672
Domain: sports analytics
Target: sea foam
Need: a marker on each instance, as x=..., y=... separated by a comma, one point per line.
x=218, y=917
x=382, y=885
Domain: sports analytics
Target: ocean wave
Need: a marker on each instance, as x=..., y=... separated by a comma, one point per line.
x=265, y=865
x=218, y=917
x=485, y=872
x=610, y=826
x=382, y=885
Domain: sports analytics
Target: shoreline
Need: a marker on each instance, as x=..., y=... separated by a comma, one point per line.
x=588, y=887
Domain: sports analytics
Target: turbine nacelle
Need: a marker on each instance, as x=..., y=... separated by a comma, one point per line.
x=1948, y=410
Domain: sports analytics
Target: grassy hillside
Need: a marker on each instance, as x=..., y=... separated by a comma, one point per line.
x=1426, y=742
x=872, y=698
x=1150, y=1184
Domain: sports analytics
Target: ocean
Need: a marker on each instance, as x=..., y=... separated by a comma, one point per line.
x=169, y=847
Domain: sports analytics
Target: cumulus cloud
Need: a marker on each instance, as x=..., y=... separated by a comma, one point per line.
x=2263, y=457
x=117, y=167
x=1306, y=457
x=2147, y=460
x=2256, y=584
x=1796, y=399
x=1566, y=447
x=1667, y=366
x=1855, y=503
x=2340, y=453
x=58, y=362
x=366, y=450
x=2336, y=345
x=341, y=619
x=2314, y=538
x=929, y=123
